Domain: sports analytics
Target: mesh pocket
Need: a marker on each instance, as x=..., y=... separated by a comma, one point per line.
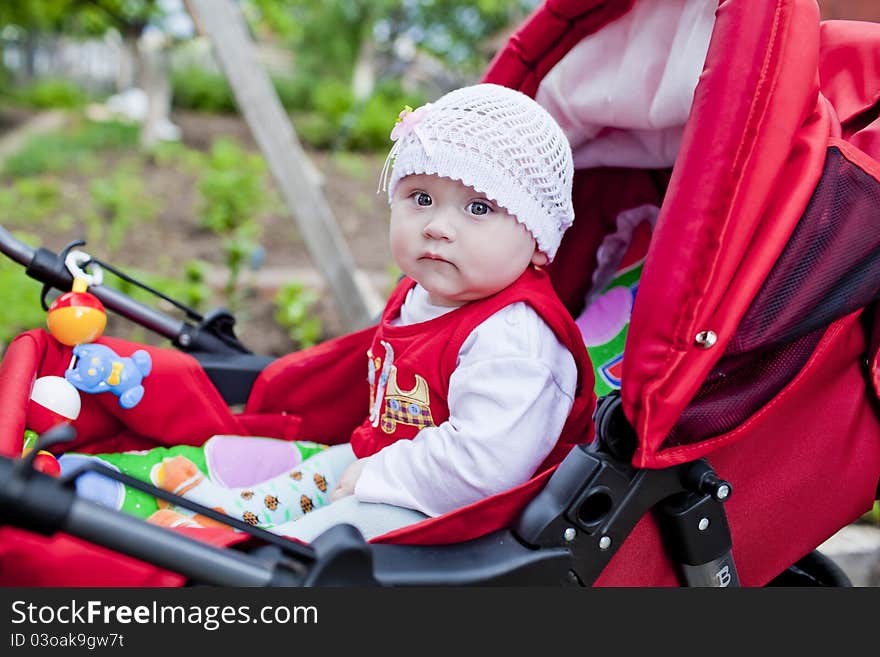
x=829, y=268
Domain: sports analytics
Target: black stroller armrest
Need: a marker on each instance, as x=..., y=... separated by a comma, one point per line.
x=232, y=374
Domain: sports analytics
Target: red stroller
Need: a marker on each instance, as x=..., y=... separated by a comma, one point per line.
x=752, y=356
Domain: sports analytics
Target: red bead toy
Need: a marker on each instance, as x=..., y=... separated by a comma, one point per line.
x=46, y=462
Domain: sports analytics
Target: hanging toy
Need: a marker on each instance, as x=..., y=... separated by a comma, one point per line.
x=76, y=316
x=97, y=368
x=53, y=401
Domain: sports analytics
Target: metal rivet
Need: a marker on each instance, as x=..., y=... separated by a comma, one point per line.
x=703, y=524
x=604, y=542
x=706, y=339
x=185, y=340
x=569, y=534
x=722, y=493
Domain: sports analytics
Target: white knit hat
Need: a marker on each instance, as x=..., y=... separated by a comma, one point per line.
x=501, y=143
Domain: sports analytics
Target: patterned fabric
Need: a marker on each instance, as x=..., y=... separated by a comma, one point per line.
x=405, y=412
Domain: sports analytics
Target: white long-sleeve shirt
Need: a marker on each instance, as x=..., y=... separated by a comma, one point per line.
x=509, y=397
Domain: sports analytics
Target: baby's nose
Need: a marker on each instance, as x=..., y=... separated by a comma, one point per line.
x=439, y=228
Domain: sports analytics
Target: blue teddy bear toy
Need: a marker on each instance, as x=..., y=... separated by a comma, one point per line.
x=97, y=368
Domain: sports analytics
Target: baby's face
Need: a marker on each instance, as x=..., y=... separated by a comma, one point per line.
x=459, y=245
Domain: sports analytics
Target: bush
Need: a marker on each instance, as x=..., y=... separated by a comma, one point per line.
x=233, y=192
x=120, y=201
x=333, y=99
x=372, y=125
x=294, y=312
x=315, y=130
x=51, y=93
x=5, y=85
x=338, y=122
x=232, y=187
x=29, y=200
x=72, y=149
x=196, y=89
x=295, y=92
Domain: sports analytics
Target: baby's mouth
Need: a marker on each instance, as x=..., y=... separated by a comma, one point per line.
x=433, y=256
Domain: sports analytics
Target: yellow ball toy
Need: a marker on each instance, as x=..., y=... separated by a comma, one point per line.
x=76, y=317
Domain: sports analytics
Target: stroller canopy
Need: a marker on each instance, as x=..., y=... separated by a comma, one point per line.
x=777, y=93
x=752, y=128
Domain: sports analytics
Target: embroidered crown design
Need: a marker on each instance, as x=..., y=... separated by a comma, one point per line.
x=412, y=407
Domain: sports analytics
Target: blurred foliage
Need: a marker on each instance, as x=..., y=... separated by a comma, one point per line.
x=201, y=90
x=325, y=115
x=197, y=89
x=27, y=200
x=294, y=312
x=77, y=17
x=120, y=203
x=340, y=123
x=232, y=187
x=327, y=36
x=372, y=121
x=233, y=193
x=327, y=40
x=70, y=149
x=47, y=93
x=174, y=154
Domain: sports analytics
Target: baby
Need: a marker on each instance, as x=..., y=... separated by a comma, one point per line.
x=476, y=369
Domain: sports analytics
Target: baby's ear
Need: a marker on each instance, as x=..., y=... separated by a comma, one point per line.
x=539, y=258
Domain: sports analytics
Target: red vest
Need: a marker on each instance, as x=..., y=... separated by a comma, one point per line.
x=409, y=367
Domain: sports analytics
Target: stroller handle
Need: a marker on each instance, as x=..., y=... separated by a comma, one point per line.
x=48, y=268
x=24, y=503
x=14, y=248
x=196, y=560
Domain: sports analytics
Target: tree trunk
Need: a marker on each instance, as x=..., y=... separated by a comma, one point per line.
x=155, y=81
x=127, y=73
x=29, y=50
x=363, y=79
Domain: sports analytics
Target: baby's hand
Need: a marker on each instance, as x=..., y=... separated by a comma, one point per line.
x=348, y=480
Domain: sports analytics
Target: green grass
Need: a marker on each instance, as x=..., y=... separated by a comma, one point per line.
x=50, y=93
x=71, y=149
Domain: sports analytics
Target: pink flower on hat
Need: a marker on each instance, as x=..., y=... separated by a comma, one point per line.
x=407, y=121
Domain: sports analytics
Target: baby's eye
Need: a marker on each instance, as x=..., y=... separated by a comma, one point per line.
x=479, y=208
x=423, y=199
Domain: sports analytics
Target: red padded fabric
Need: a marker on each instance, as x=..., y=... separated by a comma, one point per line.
x=180, y=404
